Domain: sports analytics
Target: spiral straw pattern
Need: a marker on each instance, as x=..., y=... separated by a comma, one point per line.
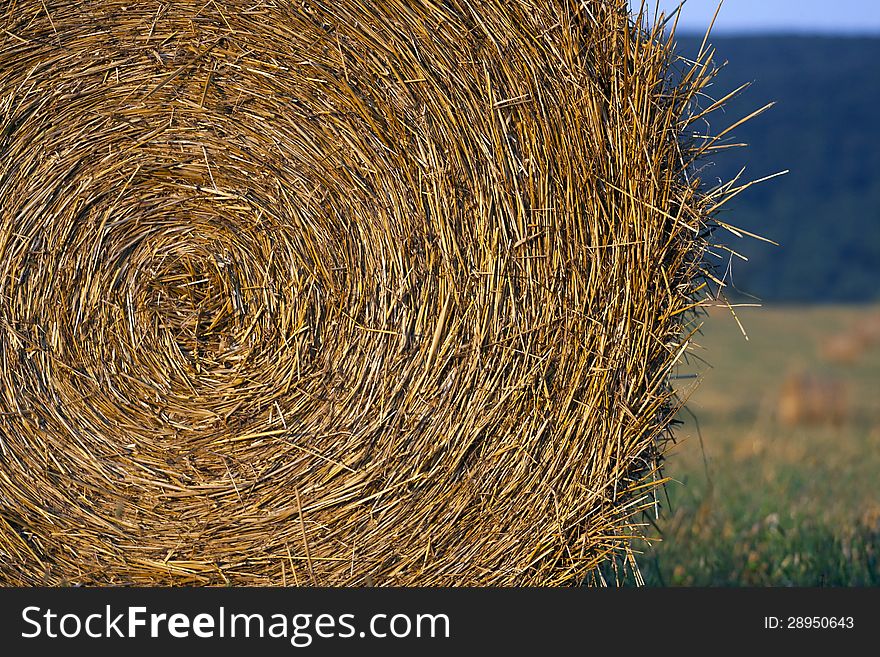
x=337, y=294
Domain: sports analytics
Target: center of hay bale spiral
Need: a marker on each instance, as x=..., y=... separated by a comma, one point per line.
x=335, y=295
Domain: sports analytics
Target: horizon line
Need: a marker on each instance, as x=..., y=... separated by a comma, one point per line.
x=751, y=32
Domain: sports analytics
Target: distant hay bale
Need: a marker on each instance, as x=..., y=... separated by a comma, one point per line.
x=843, y=348
x=868, y=330
x=807, y=398
x=339, y=294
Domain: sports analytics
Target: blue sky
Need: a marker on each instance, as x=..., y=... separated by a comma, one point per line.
x=797, y=16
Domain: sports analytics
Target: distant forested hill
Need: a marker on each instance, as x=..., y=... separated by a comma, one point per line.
x=825, y=128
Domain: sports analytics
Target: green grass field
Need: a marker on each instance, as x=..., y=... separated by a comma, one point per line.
x=785, y=488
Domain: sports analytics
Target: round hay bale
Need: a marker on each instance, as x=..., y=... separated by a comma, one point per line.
x=338, y=294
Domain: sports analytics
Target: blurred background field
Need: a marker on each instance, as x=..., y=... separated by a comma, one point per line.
x=784, y=488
